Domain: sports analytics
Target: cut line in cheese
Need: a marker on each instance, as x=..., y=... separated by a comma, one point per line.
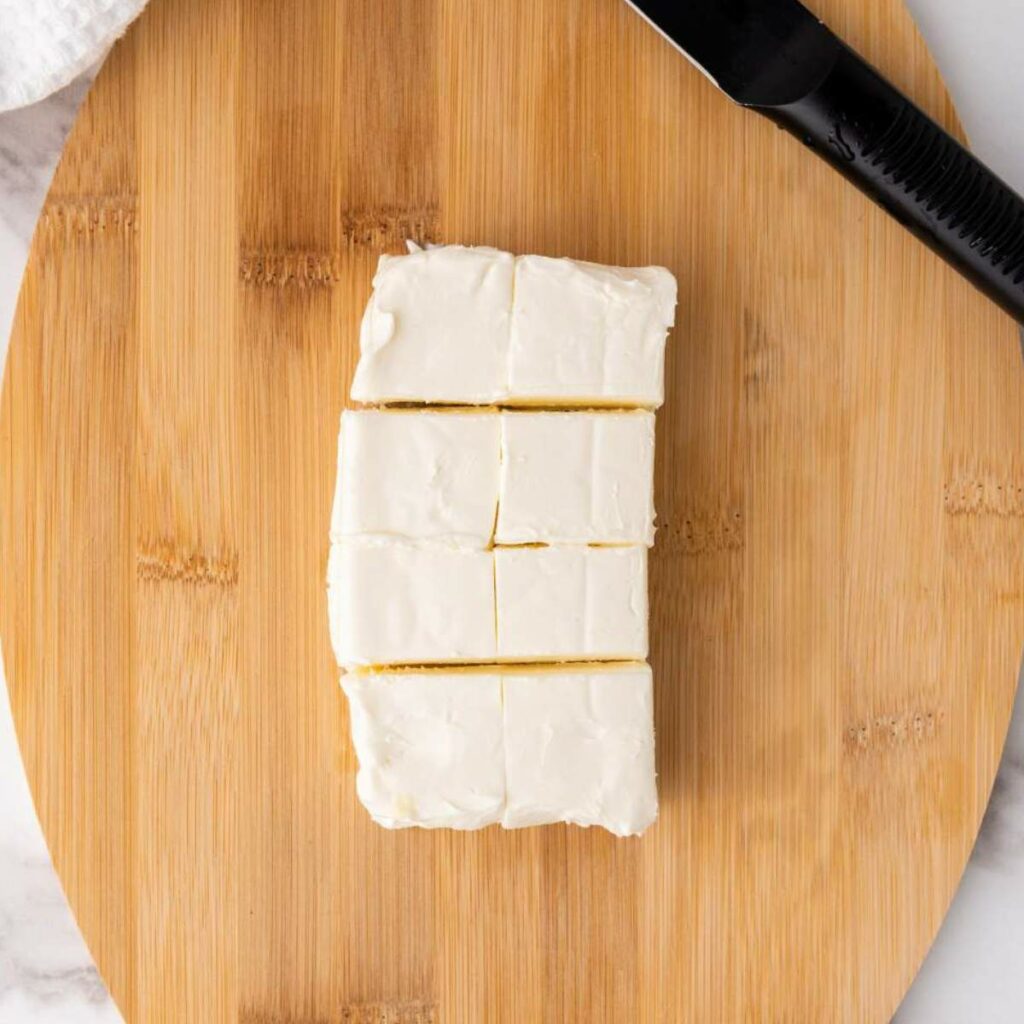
x=446, y=477
x=396, y=604
x=451, y=324
x=487, y=581
x=467, y=748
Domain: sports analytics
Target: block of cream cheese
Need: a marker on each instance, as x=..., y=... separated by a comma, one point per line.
x=417, y=475
x=430, y=747
x=579, y=747
x=403, y=604
x=580, y=477
x=562, y=603
x=585, y=334
x=437, y=327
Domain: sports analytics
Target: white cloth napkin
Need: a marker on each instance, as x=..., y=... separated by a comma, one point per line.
x=44, y=44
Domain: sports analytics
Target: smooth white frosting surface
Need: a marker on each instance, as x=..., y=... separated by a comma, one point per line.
x=491, y=538
x=577, y=478
x=452, y=324
x=474, y=747
x=588, y=333
x=417, y=475
x=436, y=328
x=430, y=748
x=559, y=603
x=404, y=604
x=408, y=604
x=579, y=747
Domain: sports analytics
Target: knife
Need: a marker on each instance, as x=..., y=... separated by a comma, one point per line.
x=777, y=58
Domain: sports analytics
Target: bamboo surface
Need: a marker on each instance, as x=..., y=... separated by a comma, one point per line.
x=837, y=587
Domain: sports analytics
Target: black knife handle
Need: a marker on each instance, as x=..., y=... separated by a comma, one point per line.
x=889, y=148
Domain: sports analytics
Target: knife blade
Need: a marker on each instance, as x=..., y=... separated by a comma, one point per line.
x=775, y=57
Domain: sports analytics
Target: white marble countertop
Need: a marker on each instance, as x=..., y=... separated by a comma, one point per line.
x=973, y=974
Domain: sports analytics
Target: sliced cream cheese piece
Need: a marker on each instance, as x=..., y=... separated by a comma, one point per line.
x=466, y=748
x=430, y=747
x=417, y=475
x=585, y=334
x=579, y=747
x=403, y=604
x=576, y=478
x=560, y=603
x=436, y=328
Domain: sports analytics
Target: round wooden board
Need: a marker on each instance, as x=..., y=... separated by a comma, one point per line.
x=838, y=609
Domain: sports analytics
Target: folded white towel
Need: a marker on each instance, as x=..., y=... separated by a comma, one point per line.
x=44, y=44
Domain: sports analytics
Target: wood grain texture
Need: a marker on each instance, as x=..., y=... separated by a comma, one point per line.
x=837, y=588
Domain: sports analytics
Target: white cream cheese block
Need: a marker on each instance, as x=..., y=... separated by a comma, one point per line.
x=571, y=603
x=588, y=334
x=404, y=604
x=430, y=747
x=579, y=747
x=577, y=478
x=417, y=475
x=474, y=747
x=437, y=327
x=457, y=325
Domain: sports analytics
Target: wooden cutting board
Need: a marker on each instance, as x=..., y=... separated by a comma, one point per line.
x=838, y=585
